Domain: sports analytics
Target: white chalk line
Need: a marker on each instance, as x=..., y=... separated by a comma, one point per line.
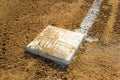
x=90, y=17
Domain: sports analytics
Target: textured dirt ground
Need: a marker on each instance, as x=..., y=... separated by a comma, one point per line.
x=22, y=20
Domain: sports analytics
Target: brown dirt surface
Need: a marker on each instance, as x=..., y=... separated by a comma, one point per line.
x=22, y=20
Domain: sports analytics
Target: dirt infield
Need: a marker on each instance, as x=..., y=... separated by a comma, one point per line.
x=22, y=20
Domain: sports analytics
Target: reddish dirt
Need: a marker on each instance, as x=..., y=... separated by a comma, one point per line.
x=22, y=20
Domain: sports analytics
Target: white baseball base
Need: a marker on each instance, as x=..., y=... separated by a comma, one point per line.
x=56, y=44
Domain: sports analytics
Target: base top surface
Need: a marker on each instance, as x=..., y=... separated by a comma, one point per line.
x=56, y=42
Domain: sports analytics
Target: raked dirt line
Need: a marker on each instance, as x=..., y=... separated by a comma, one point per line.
x=109, y=27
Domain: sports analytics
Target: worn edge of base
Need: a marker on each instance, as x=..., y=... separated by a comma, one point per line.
x=41, y=54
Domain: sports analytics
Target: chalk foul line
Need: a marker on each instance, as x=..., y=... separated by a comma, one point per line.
x=90, y=17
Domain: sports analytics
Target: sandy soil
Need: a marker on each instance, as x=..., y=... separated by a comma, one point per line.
x=22, y=20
